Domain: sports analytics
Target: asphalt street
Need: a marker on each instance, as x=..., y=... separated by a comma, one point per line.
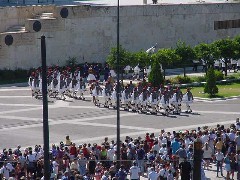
x=21, y=119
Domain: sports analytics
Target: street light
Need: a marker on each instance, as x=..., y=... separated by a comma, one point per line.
x=45, y=110
x=118, y=92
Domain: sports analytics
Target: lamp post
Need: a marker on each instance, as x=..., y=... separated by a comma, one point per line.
x=197, y=159
x=118, y=92
x=45, y=110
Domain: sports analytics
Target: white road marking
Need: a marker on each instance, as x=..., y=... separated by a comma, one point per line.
x=216, y=112
x=14, y=89
x=21, y=105
x=11, y=97
x=57, y=122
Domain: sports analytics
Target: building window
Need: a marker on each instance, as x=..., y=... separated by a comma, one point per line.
x=227, y=24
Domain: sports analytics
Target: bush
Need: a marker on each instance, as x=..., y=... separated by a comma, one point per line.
x=181, y=80
x=199, y=79
x=218, y=75
x=11, y=76
x=210, y=86
x=155, y=76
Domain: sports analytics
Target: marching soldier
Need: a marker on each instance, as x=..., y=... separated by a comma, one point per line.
x=164, y=103
x=114, y=98
x=135, y=99
x=126, y=98
x=97, y=91
x=174, y=102
x=79, y=87
x=179, y=99
x=143, y=99
x=153, y=99
x=131, y=87
x=188, y=99
x=107, y=94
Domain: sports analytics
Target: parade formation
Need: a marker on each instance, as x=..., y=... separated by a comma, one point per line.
x=141, y=97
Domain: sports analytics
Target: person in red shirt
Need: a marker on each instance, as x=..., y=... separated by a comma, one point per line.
x=85, y=151
x=73, y=151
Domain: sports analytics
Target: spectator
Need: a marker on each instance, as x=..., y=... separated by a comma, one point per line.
x=185, y=169
x=219, y=159
x=207, y=155
x=135, y=172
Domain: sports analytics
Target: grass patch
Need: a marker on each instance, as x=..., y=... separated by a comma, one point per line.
x=224, y=91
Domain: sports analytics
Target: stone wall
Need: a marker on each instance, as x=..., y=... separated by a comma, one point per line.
x=88, y=33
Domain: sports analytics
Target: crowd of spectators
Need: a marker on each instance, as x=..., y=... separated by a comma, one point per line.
x=167, y=156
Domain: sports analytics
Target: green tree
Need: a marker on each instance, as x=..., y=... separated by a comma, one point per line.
x=210, y=86
x=124, y=59
x=237, y=41
x=142, y=59
x=165, y=57
x=155, y=76
x=186, y=54
x=227, y=49
x=207, y=52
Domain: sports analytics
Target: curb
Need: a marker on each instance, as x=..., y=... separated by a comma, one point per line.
x=216, y=99
x=24, y=84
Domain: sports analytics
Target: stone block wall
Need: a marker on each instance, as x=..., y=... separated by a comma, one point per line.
x=89, y=32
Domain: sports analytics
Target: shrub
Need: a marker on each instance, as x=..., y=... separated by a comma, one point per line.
x=199, y=79
x=155, y=76
x=219, y=75
x=210, y=86
x=181, y=80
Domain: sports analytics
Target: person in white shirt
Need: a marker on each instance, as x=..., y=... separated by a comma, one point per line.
x=231, y=135
x=205, y=137
x=237, y=124
x=153, y=175
x=219, y=158
x=156, y=146
x=207, y=155
x=237, y=141
x=163, y=172
x=5, y=171
x=110, y=153
x=55, y=166
x=135, y=172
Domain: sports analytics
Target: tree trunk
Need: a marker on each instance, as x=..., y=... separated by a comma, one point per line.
x=184, y=71
x=143, y=73
x=164, y=73
x=225, y=70
x=122, y=76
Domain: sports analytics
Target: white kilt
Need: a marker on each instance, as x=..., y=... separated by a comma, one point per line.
x=135, y=101
x=186, y=100
x=91, y=77
x=94, y=93
x=114, y=95
x=154, y=102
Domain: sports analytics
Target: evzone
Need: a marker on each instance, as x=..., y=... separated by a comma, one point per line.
x=141, y=98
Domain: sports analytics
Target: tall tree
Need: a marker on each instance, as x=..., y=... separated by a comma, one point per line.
x=207, y=52
x=143, y=60
x=227, y=49
x=165, y=57
x=186, y=54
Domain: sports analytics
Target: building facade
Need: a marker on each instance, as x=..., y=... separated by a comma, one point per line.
x=89, y=32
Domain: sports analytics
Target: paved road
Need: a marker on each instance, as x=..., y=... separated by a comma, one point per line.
x=21, y=119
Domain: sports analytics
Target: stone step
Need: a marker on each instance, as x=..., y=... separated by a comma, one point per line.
x=44, y=16
x=17, y=28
